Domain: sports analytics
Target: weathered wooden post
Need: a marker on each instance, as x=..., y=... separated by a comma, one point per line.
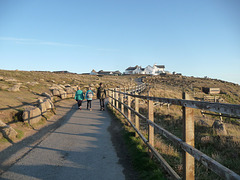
x=129, y=111
x=122, y=101
x=151, y=118
x=188, y=137
x=113, y=95
x=136, y=116
x=109, y=95
x=117, y=98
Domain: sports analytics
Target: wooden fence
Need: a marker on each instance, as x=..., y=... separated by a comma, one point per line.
x=117, y=96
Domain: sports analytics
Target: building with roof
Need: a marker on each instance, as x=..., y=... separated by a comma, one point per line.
x=153, y=70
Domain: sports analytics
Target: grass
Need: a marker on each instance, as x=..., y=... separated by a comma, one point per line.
x=20, y=134
x=223, y=148
x=148, y=168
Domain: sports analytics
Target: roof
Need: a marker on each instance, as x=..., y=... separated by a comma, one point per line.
x=160, y=66
x=132, y=68
x=94, y=71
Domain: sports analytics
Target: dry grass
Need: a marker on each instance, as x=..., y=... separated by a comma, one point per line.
x=224, y=149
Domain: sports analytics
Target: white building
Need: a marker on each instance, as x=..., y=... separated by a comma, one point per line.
x=153, y=70
x=134, y=70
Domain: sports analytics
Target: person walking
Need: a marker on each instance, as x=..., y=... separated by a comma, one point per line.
x=101, y=95
x=79, y=97
x=89, y=96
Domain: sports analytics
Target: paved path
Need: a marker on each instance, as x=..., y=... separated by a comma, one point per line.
x=79, y=149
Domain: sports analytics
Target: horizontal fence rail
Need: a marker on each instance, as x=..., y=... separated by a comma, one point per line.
x=228, y=109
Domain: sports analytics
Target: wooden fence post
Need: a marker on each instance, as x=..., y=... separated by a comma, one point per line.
x=113, y=95
x=150, y=127
x=122, y=100
x=188, y=137
x=117, y=98
x=109, y=95
x=129, y=111
x=136, y=116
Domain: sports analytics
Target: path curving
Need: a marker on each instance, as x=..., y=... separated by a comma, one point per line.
x=81, y=148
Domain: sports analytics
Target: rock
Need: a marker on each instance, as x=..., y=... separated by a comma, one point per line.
x=61, y=86
x=32, y=114
x=49, y=96
x=32, y=83
x=67, y=85
x=15, y=88
x=42, y=106
x=45, y=104
x=219, y=127
x=10, y=80
x=56, y=92
x=7, y=131
x=55, y=86
x=49, y=104
x=63, y=94
x=1, y=78
x=4, y=87
x=74, y=88
x=206, y=139
x=70, y=92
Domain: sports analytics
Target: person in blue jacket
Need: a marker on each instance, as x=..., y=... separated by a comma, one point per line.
x=79, y=97
x=89, y=97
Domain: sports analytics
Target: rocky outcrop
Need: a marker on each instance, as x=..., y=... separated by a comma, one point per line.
x=219, y=127
x=15, y=88
x=45, y=104
x=32, y=114
x=70, y=92
x=47, y=95
x=63, y=91
x=7, y=131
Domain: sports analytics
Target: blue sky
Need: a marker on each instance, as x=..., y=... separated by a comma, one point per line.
x=197, y=38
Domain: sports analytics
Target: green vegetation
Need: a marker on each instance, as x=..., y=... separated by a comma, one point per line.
x=20, y=134
x=148, y=168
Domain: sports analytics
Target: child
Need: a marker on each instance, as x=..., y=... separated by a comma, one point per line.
x=89, y=96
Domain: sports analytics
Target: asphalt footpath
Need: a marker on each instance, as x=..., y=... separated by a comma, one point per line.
x=80, y=148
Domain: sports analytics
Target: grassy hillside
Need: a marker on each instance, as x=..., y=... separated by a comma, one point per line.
x=223, y=148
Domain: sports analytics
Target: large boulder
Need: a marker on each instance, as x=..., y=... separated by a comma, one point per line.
x=63, y=94
x=56, y=92
x=219, y=127
x=42, y=106
x=70, y=92
x=7, y=131
x=45, y=104
x=32, y=114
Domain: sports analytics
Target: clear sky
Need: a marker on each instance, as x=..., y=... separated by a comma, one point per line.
x=194, y=37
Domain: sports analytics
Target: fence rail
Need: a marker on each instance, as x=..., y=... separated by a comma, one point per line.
x=187, y=144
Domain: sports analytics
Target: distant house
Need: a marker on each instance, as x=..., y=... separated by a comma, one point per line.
x=93, y=72
x=158, y=69
x=117, y=73
x=153, y=70
x=134, y=70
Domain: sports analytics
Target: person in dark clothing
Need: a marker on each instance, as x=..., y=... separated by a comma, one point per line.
x=101, y=95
